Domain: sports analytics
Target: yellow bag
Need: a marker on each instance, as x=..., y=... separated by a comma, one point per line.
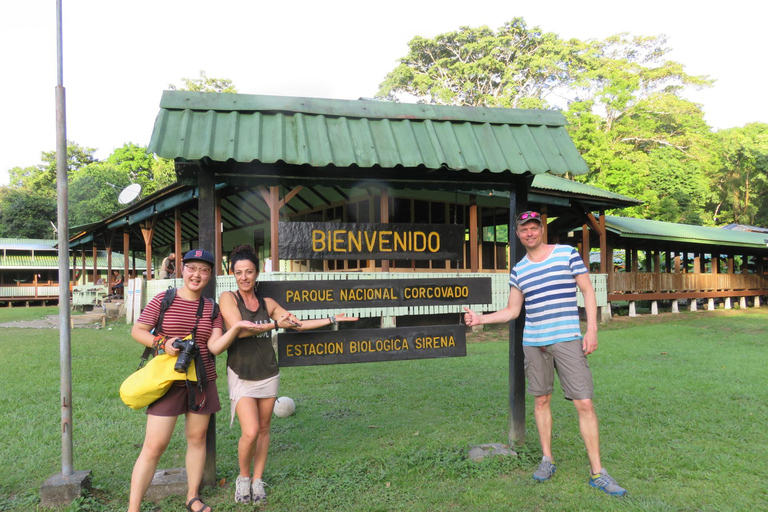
x=153, y=380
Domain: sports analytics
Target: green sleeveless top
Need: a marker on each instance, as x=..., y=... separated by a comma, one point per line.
x=253, y=358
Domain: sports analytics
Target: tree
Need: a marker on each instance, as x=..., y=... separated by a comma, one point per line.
x=151, y=172
x=513, y=67
x=25, y=214
x=658, y=150
x=42, y=178
x=621, y=96
x=740, y=180
x=93, y=192
x=206, y=84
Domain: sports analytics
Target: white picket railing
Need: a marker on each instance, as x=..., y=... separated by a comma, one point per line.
x=499, y=291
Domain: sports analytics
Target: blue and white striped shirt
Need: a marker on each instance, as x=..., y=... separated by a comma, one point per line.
x=549, y=288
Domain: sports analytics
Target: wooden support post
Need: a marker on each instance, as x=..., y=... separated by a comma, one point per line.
x=274, y=220
x=177, y=239
x=126, y=250
x=206, y=207
x=148, y=232
x=110, y=238
x=95, y=256
x=384, y=220
x=606, y=259
x=585, y=245
x=518, y=202
x=218, y=253
x=610, y=270
x=83, y=275
x=474, y=240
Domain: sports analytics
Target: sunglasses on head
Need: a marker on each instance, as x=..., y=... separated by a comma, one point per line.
x=528, y=215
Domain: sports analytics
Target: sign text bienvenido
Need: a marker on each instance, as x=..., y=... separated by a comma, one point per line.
x=347, y=241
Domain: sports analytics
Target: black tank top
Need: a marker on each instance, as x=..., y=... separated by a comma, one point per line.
x=253, y=358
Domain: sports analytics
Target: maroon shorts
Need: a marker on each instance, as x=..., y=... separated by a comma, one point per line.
x=176, y=401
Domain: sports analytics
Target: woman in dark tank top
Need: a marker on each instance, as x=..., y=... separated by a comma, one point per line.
x=252, y=368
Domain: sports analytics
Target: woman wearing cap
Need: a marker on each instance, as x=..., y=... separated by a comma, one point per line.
x=252, y=371
x=162, y=414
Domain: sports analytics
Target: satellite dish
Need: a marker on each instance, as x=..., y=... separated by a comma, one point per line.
x=129, y=193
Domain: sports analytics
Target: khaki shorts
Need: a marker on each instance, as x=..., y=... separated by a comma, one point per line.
x=572, y=369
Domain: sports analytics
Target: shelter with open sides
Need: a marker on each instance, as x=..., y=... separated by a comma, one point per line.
x=655, y=261
x=284, y=144
x=245, y=163
x=29, y=271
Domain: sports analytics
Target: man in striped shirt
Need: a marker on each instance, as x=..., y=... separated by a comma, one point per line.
x=546, y=279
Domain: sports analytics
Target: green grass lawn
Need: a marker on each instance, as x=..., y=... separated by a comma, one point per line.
x=682, y=401
x=25, y=314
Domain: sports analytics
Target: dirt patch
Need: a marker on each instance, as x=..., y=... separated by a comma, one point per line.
x=49, y=322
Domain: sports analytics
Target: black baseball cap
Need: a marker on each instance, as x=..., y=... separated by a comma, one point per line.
x=198, y=255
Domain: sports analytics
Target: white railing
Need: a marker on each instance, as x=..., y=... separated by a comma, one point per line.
x=499, y=291
x=39, y=292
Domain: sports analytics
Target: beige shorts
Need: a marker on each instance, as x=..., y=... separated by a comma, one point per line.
x=239, y=388
x=572, y=369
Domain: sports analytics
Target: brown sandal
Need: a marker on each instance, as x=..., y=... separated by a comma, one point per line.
x=201, y=509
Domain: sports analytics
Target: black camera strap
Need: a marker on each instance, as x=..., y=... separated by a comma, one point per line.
x=168, y=297
x=199, y=366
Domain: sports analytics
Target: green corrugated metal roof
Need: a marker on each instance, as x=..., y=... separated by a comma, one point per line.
x=36, y=244
x=25, y=261
x=669, y=231
x=363, y=133
x=558, y=184
x=565, y=191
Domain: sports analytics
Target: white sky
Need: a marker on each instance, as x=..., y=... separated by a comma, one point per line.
x=119, y=56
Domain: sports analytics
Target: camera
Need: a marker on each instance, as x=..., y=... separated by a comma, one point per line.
x=187, y=351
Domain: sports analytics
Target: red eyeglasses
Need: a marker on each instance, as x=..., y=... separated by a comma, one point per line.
x=527, y=215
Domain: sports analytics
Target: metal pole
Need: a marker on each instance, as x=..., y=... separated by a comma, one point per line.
x=62, y=213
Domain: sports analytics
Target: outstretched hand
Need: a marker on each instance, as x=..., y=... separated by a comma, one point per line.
x=341, y=317
x=255, y=328
x=470, y=317
x=288, y=321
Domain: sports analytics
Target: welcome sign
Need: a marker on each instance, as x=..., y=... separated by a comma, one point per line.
x=371, y=345
x=349, y=241
x=366, y=293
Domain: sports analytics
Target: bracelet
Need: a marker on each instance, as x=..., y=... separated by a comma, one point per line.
x=159, y=343
x=333, y=320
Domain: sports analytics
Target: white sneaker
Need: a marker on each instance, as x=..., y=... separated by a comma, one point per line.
x=258, y=494
x=243, y=489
